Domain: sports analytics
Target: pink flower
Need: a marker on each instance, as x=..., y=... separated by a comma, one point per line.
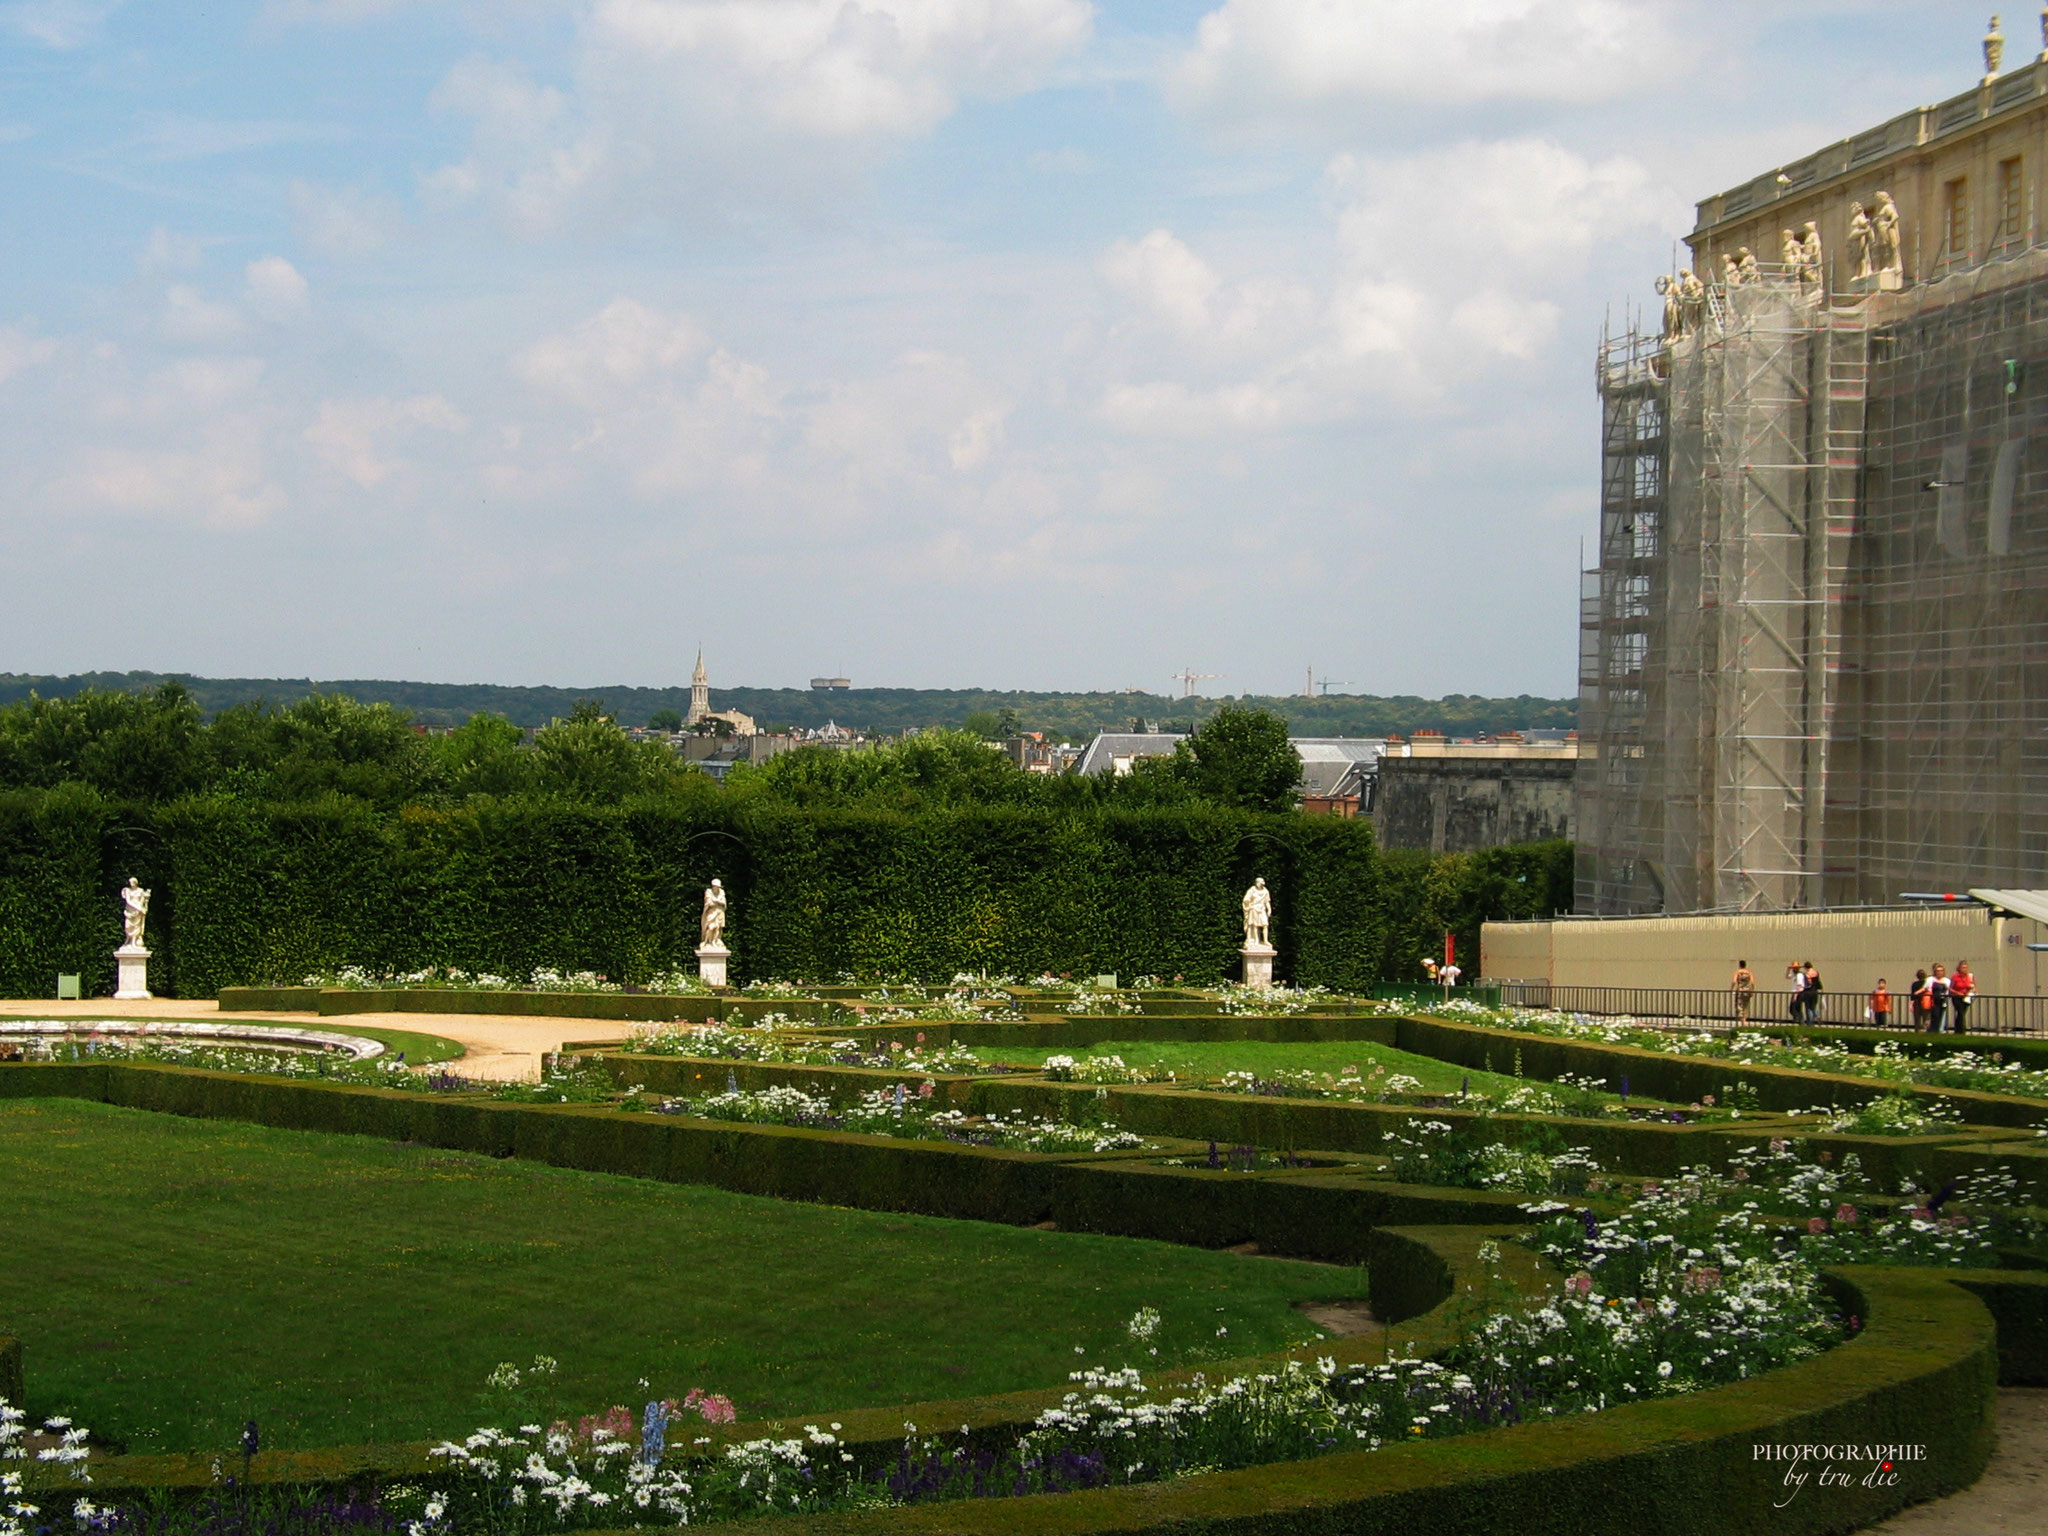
x=1707, y=1099
x=1817, y=1224
x=924, y=1090
x=920, y=1037
x=714, y=1406
x=1845, y=1213
x=1581, y=1284
x=895, y=1045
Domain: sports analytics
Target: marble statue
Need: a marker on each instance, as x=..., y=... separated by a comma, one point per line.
x=1994, y=50
x=712, y=928
x=1731, y=274
x=1692, y=303
x=2044, y=33
x=1745, y=264
x=1258, y=915
x=1788, y=253
x=1673, y=314
x=1810, y=257
x=1862, y=240
x=1884, y=227
x=134, y=911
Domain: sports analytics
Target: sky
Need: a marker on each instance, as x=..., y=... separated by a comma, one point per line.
x=934, y=343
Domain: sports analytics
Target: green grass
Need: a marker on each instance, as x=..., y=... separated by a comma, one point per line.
x=173, y=1278
x=420, y=1050
x=1212, y=1058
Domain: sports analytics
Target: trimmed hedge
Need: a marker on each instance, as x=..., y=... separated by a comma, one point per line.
x=250, y=894
x=1922, y=1372
x=2018, y=1302
x=11, y=1388
x=1658, y=1075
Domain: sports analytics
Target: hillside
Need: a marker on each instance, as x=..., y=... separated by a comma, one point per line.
x=1066, y=716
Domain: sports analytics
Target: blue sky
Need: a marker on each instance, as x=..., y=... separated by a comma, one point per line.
x=1010, y=343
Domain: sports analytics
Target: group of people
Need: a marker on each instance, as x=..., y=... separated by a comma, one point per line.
x=1936, y=1002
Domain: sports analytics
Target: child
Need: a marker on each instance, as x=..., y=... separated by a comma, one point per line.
x=1881, y=1006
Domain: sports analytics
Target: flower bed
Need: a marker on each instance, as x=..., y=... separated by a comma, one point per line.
x=902, y=1112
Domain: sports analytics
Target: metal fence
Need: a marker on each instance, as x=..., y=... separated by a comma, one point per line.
x=1988, y=1014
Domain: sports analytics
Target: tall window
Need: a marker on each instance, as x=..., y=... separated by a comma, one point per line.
x=2012, y=211
x=1955, y=220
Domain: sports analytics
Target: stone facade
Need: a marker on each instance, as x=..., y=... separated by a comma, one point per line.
x=1455, y=797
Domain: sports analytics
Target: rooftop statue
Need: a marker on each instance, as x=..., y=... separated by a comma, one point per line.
x=1884, y=228
x=1862, y=239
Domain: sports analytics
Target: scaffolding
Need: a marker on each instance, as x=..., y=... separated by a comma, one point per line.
x=1814, y=650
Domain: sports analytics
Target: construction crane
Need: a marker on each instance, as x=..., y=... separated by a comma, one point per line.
x=1188, y=678
x=1326, y=685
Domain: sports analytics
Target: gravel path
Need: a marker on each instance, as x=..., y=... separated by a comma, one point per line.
x=2011, y=1499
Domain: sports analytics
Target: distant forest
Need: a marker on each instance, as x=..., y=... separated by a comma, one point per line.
x=878, y=711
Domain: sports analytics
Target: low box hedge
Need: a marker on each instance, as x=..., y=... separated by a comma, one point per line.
x=688, y=1076
x=1921, y=1374
x=2029, y=1052
x=269, y=999
x=1684, y=1079
x=2018, y=1301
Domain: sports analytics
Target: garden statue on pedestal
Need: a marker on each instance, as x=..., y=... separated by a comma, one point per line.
x=131, y=958
x=711, y=951
x=1258, y=948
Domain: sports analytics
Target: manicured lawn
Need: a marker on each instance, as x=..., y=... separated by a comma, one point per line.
x=173, y=1278
x=1212, y=1058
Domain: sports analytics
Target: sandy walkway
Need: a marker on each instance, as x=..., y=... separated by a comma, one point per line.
x=2012, y=1495
x=502, y=1049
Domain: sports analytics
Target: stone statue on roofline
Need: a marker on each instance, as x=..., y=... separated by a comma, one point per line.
x=1788, y=253
x=1862, y=240
x=1692, y=303
x=1745, y=265
x=1884, y=229
x=1668, y=287
x=1994, y=50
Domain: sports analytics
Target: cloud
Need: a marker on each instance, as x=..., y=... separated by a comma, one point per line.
x=20, y=350
x=59, y=23
x=608, y=356
x=1275, y=57
x=273, y=288
x=189, y=441
x=166, y=251
x=188, y=315
x=353, y=437
x=341, y=221
x=198, y=138
x=694, y=108
x=1418, y=304
x=15, y=133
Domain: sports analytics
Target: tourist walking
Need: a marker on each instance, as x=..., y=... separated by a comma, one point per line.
x=1795, y=978
x=1880, y=1005
x=1744, y=987
x=1810, y=994
x=1937, y=992
x=1960, y=986
x=1922, y=1001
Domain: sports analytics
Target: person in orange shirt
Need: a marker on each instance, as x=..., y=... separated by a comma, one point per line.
x=1745, y=989
x=1881, y=1006
x=1960, y=986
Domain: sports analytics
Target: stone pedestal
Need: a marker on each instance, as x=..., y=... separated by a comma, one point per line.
x=711, y=960
x=133, y=961
x=1258, y=965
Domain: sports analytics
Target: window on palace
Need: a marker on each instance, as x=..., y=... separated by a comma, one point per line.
x=2011, y=201
x=1955, y=219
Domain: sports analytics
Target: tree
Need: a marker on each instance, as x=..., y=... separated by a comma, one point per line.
x=484, y=757
x=670, y=720
x=587, y=757
x=1241, y=757
x=985, y=724
x=130, y=746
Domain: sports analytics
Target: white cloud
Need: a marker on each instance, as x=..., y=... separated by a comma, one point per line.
x=188, y=442
x=199, y=138
x=1255, y=57
x=354, y=437
x=695, y=107
x=59, y=23
x=845, y=67
x=19, y=350
x=15, y=133
x=166, y=251
x=273, y=288
x=611, y=354
x=188, y=315
x=1447, y=270
x=341, y=221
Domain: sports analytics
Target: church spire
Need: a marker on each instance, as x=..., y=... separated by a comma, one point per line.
x=700, y=691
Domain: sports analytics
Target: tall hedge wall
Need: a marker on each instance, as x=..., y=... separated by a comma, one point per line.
x=250, y=893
